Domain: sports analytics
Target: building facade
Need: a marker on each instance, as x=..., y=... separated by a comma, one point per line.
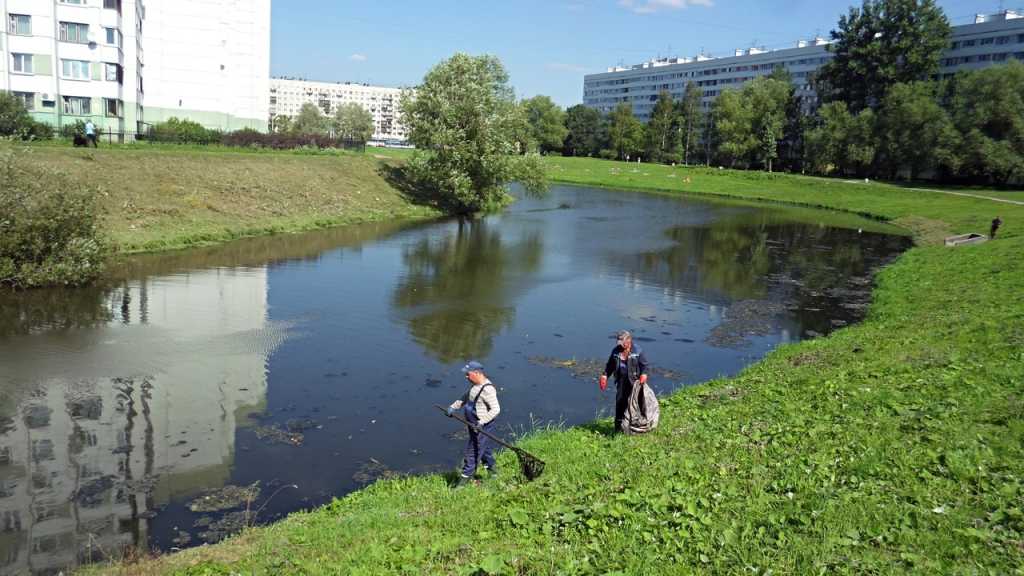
x=288, y=95
x=72, y=60
x=992, y=39
x=125, y=64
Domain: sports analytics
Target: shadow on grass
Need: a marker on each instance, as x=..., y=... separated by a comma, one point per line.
x=604, y=427
x=414, y=190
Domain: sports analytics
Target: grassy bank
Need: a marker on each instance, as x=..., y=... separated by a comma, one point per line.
x=158, y=198
x=891, y=446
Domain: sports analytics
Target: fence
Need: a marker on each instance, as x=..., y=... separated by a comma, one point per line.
x=238, y=139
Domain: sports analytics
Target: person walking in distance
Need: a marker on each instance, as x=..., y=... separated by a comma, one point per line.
x=629, y=366
x=90, y=133
x=479, y=407
x=996, y=223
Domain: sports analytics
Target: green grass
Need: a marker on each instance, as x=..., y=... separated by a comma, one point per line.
x=892, y=446
x=169, y=197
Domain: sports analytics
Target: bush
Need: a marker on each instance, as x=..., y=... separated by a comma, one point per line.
x=179, y=131
x=49, y=227
x=77, y=128
x=249, y=138
x=16, y=122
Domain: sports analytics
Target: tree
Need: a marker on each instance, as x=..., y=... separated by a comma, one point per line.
x=734, y=135
x=769, y=98
x=987, y=110
x=465, y=124
x=583, y=131
x=281, y=124
x=881, y=44
x=310, y=120
x=547, y=123
x=691, y=118
x=841, y=141
x=625, y=132
x=660, y=145
x=914, y=131
x=15, y=120
x=354, y=123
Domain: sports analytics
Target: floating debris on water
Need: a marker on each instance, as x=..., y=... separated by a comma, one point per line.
x=231, y=523
x=433, y=382
x=300, y=424
x=591, y=368
x=225, y=498
x=744, y=319
x=182, y=540
x=275, y=434
x=371, y=471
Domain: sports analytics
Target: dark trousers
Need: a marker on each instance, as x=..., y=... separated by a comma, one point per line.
x=622, y=392
x=479, y=448
x=93, y=140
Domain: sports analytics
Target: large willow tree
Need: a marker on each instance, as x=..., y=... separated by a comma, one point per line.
x=470, y=135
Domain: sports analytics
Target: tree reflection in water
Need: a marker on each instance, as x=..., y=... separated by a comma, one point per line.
x=458, y=290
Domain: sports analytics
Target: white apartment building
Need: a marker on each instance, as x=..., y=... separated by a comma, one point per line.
x=127, y=63
x=992, y=39
x=74, y=60
x=287, y=96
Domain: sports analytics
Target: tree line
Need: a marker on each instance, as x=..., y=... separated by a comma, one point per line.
x=879, y=109
x=350, y=122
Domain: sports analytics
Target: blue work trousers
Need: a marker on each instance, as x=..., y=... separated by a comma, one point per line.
x=479, y=448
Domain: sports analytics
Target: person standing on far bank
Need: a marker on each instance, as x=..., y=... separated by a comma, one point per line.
x=479, y=407
x=90, y=133
x=996, y=223
x=629, y=365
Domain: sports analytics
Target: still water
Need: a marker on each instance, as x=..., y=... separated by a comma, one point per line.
x=310, y=363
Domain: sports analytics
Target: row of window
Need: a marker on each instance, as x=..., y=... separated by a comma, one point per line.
x=997, y=40
x=69, y=69
x=767, y=67
x=74, y=105
x=1000, y=57
x=71, y=32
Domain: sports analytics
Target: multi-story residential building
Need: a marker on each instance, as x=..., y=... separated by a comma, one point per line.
x=74, y=60
x=287, y=96
x=992, y=39
x=127, y=63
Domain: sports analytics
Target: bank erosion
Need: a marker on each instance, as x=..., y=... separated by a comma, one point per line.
x=892, y=446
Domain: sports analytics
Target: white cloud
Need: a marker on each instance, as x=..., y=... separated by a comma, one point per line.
x=564, y=67
x=357, y=57
x=650, y=6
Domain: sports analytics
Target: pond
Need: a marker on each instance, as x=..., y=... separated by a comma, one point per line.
x=310, y=364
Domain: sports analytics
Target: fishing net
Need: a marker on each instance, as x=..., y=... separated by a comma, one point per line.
x=531, y=466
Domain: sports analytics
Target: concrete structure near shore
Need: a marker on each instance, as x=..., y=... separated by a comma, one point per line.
x=126, y=64
x=991, y=39
x=287, y=95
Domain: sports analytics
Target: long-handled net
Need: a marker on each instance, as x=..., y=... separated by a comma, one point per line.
x=531, y=466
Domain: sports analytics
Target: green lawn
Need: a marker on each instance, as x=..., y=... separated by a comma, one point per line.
x=158, y=197
x=892, y=446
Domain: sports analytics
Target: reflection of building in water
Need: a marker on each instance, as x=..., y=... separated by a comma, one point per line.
x=83, y=465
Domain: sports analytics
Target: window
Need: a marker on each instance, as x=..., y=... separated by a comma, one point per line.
x=1004, y=40
x=113, y=107
x=76, y=2
x=28, y=98
x=112, y=5
x=969, y=43
x=74, y=32
x=19, y=24
x=114, y=37
x=954, y=46
x=113, y=73
x=986, y=41
x=77, y=106
x=75, y=69
x=22, y=63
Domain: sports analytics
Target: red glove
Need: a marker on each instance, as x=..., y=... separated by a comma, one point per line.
x=603, y=382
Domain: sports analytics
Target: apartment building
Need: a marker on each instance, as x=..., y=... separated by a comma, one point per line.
x=991, y=39
x=125, y=64
x=72, y=60
x=287, y=95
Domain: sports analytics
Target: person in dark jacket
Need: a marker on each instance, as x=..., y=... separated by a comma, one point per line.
x=629, y=366
x=996, y=223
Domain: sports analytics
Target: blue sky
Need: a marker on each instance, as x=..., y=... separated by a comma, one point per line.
x=547, y=46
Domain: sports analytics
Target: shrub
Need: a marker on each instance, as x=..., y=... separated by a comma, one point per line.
x=179, y=131
x=76, y=128
x=249, y=138
x=16, y=122
x=49, y=226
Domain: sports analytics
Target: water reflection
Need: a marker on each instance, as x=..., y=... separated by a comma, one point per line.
x=458, y=290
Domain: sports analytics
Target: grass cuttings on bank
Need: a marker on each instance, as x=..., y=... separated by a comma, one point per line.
x=163, y=198
x=896, y=445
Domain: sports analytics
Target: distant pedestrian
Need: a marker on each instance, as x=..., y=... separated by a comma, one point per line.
x=995, y=227
x=479, y=407
x=90, y=133
x=629, y=365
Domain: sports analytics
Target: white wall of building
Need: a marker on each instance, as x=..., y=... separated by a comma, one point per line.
x=208, y=60
x=287, y=97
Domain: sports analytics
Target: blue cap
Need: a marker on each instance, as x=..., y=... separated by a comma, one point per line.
x=473, y=366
